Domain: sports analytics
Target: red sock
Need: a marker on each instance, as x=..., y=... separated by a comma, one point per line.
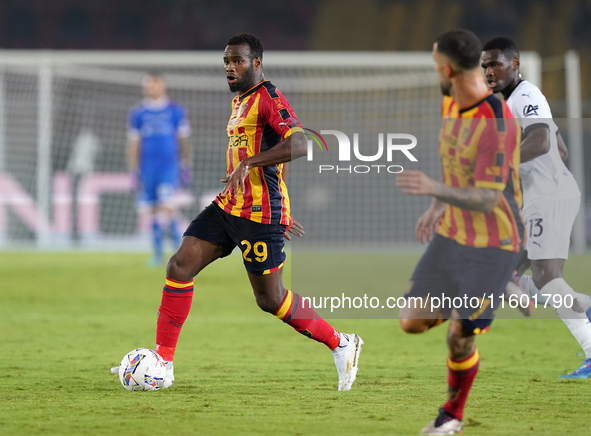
x=174, y=309
x=460, y=375
x=296, y=312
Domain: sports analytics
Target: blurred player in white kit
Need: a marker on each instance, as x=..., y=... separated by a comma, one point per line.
x=551, y=197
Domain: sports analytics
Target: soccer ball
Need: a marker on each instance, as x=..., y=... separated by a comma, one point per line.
x=142, y=370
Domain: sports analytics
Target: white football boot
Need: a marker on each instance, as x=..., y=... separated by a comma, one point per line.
x=169, y=377
x=115, y=370
x=346, y=357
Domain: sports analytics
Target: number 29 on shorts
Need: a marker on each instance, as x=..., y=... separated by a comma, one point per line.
x=259, y=249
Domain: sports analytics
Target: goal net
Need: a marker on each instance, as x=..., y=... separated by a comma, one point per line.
x=63, y=175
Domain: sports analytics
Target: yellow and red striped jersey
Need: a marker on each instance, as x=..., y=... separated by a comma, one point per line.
x=479, y=146
x=261, y=118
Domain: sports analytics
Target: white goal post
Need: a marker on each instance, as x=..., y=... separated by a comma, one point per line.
x=63, y=176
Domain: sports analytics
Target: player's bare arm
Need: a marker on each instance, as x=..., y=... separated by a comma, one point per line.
x=536, y=143
x=185, y=149
x=562, y=147
x=470, y=198
x=292, y=147
x=133, y=150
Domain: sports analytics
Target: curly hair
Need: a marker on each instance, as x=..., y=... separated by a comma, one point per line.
x=255, y=44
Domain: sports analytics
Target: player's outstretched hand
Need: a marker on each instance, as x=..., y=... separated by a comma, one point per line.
x=294, y=228
x=415, y=182
x=236, y=179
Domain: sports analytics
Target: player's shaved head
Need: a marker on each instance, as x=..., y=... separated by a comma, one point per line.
x=504, y=45
x=255, y=44
x=462, y=47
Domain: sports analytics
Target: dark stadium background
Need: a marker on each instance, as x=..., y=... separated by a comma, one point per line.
x=546, y=26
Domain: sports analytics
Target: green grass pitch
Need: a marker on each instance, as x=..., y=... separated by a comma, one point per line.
x=65, y=319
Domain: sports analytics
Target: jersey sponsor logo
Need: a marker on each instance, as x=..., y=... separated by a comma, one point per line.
x=238, y=140
x=529, y=110
x=258, y=208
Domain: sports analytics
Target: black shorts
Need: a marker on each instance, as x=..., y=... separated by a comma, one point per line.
x=262, y=245
x=453, y=270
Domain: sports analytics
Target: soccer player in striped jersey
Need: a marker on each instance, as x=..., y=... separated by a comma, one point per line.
x=551, y=195
x=253, y=213
x=475, y=210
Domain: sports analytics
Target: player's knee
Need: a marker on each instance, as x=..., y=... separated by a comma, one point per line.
x=269, y=298
x=460, y=340
x=268, y=303
x=414, y=325
x=459, y=347
x=181, y=269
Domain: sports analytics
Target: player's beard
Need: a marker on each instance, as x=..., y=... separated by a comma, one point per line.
x=245, y=82
x=445, y=88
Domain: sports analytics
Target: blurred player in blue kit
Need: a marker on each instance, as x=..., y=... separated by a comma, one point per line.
x=158, y=156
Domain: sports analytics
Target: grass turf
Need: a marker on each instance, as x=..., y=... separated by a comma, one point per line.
x=65, y=319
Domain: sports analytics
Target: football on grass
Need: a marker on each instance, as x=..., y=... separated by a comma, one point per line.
x=142, y=370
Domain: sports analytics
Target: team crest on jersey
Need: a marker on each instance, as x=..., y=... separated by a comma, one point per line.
x=530, y=109
x=466, y=132
x=242, y=109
